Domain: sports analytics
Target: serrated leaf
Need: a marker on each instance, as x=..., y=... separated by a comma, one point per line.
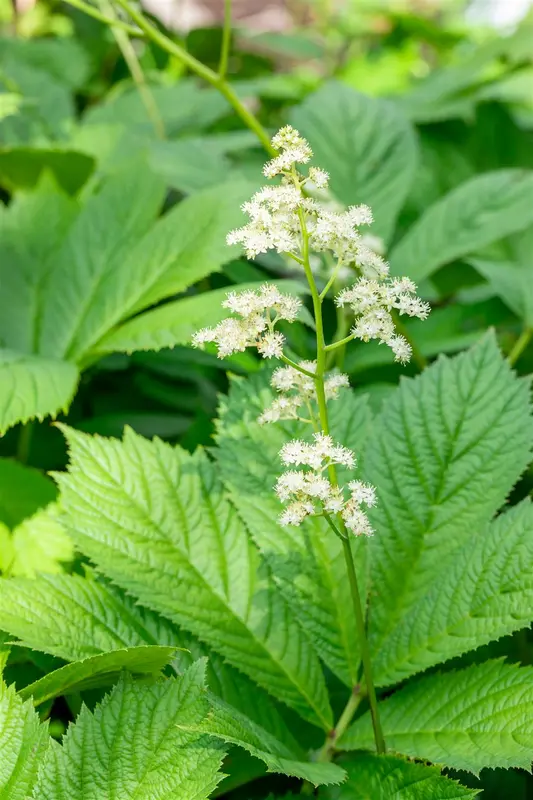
x=23, y=742
x=232, y=727
x=175, y=537
x=444, y=454
x=466, y=719
x=38, y=544
x=23, y=491
x=132, y=746
x=307, y=562
x=485, y=592
x=75, y=618
x=372, y=777
x=480, y=211
x=32, y=387
x=367, y=145
x=97, y=671
x=174, y=323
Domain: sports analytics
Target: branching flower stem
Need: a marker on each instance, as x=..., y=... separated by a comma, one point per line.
x=341, y=531
x=226, y=41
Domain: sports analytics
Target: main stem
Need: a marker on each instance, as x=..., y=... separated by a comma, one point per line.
x=347, y=550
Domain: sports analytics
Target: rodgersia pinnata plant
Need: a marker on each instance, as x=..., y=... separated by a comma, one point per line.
x=284, y=217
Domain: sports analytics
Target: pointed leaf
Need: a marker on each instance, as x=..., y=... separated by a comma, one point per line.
x=23, y=742
x=480, y=211
x=366, y=144
x=468, y=719
x=486, y=592
x=97, y=671
x=32, y=387
x=391, y=778
x=233, y=727
x=446, y=451
x=39, y=544
x=174, y=537
x=132, y=746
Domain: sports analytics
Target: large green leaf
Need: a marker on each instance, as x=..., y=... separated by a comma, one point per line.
x=482, y=210
x=366, y=144
x=444, y=454
x=23, y=491
x=23, y=741
x=307, y=562
x=372, y=777
x=76, y=618
x=97, y=671
x=477, y=717
x=21, y=167
x=486, y=592
x=155, y=520
x=174, y=323
x=233, y=727
x=33, y=387
x=133, y=746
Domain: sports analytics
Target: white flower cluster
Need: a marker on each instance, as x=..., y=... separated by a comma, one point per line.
x=372, y=301
x=304, y=489
x=288, y=379
x=259, y=312
x=274, y=213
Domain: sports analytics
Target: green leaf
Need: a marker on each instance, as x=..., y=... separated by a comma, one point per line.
x=233, y=727
x=480, y=211
x=444, y=454
x=512, y=281
x=485, y=593
x=467, y=719
x=75, y=618
x=33, y=387
x=23, y=491
x=97, y=671
x=133, y=746
x=183, y=106
x=10, y=103
x=23, y=742
x=174, y=538
x=389, y=778
x=92, y=257
x=367, y=145
x=187, y=165
x=307, y=562
x=174, y=323
x=22, y=167
x=38, y=544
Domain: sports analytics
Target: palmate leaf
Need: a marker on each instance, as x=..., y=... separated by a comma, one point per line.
x=366, y=144
x=467, y=719
x=444, y=454
x=132, y=746
x=23, y=742
x=485, y=592
x=97, y=671
x=480, y=211
x=232, y=727
x=307, y=562
x=155, y=520
x=372, y=777
x=79, y=272
x=76, y=618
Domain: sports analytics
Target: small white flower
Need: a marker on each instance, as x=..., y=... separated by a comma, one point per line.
x=296, y=512
x=333, y=383
x=271, y=345
x=401, y=348
x=363, y=493
x=319, y=177
x=356, y=520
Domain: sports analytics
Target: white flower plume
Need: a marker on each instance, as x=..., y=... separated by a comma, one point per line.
x=297, y=389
